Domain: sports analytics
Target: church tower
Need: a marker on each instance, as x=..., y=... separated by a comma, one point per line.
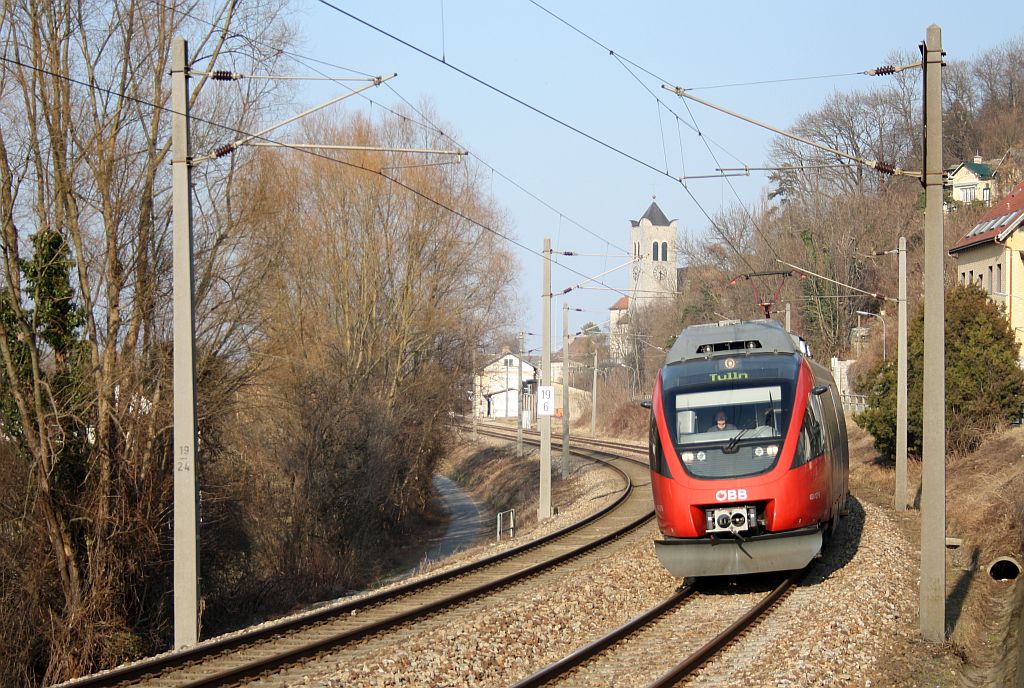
x=653, y=273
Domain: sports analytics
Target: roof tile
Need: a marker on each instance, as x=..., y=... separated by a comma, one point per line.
x=1003, y=217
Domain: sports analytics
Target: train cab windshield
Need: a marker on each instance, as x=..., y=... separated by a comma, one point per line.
x=729, y=433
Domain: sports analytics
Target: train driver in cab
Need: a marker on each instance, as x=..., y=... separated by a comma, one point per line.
x=721, y=423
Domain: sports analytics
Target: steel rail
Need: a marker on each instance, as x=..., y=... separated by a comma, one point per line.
x=602, y=444
x=150, y=667
x=261, y=666
x=723, y=639
x=577, y=658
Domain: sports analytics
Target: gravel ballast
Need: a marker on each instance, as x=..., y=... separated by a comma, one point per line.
x=851, y=622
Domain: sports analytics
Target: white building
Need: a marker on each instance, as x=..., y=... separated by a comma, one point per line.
x=496, y=387
x=618, y=328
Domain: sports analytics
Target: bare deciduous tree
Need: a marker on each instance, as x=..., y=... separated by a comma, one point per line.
x=84, y=329
x=379, y=289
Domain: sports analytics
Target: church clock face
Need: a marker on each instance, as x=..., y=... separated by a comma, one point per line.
x=661, y=273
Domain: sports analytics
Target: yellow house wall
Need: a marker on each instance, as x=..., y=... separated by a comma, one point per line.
x=1010, y=294
x=1015, y=284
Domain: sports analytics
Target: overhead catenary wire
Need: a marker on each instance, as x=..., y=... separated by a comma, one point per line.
x=888, y=169
x=226, y=75
x=225, y=149
x=757, y=227
x=706, y=214
x=595, y=278
x=703, y=138
x=623, y=63
x=505, y=177
x=494, y=88
x=776, y=81
x=425, y=123
x=652, y=74
x=542, y=113
x=370, y=149
x=878, y=165
x=243, y=133
x=786, y=168
x=837, y=282
x=615, y=149
x=622, y=60
x=882, y=167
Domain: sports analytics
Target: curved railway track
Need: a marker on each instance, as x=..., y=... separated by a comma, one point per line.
x=262, y=652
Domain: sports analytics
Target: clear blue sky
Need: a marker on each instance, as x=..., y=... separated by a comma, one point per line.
x=519, y=48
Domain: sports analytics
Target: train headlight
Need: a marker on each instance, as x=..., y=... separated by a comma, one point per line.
x=758, y=451
x=701, y=456
x=687, y=457
x=772, y=450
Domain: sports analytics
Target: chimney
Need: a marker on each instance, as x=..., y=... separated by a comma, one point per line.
x=977, y=158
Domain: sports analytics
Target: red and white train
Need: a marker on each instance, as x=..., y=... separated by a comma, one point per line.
x=748, y=451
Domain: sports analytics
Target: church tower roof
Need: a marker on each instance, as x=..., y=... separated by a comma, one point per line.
x=654, y=216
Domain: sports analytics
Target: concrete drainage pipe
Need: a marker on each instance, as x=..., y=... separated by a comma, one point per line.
x=1004, y=569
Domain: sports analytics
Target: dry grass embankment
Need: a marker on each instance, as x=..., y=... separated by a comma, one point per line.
x=985, y=510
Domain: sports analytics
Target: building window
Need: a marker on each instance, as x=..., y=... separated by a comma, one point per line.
x=664, y=250
x=654, y=251
x=989, y=279
x=970, y=277
x=967, y=194
x=963, y=278
x=999, y=277
x=986, y=194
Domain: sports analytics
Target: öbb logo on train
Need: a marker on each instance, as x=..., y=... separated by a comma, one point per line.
x=730, y=495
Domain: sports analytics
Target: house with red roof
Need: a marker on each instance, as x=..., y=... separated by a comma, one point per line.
x=991, y=256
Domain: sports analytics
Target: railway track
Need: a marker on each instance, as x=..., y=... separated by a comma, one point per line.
x=637, y=651
x=667, y=630
x=575, y=441
x=284, y=647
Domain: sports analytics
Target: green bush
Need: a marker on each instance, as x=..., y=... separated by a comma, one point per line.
x=984, y=383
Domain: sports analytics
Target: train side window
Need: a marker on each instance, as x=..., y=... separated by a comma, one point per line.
x=817, y=430
x=824, y=420
x=655, y=455
x=811, y=443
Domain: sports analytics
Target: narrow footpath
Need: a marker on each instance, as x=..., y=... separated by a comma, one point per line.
x=465, y=526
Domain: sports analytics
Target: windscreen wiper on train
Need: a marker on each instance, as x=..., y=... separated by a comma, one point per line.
x=730, y=446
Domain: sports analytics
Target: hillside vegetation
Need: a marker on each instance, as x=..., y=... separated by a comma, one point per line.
x=984, y=383
x=830, y=218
